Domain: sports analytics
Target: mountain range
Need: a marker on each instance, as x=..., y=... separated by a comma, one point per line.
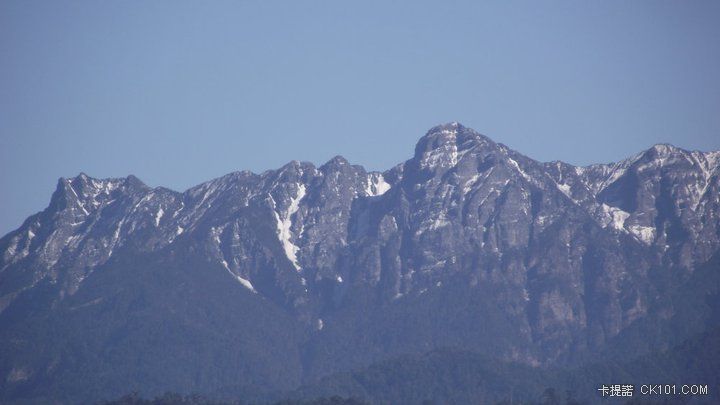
x=262, y=286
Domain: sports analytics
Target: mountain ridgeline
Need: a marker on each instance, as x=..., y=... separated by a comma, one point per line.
x=250, y=285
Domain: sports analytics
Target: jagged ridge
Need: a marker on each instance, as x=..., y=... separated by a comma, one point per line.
x=569, y=255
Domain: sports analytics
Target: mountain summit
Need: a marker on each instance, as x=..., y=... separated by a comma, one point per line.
x=257, y=283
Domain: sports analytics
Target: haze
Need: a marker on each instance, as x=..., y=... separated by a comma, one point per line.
x=181, y=92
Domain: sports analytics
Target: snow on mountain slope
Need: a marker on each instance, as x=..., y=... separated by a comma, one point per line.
x=306, y=237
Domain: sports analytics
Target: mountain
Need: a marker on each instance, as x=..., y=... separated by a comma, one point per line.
x=465, y=377
x=252, y=284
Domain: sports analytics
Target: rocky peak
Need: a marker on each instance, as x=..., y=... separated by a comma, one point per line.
x=463, y=206
x=335, y=162
x=664, y=149
x=444, y=145
x=450, y=147
x=338, y=169
x=84, y=194
x=662, y=155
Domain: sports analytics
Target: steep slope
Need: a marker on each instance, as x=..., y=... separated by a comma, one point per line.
x=444, y=376
x=468, y=245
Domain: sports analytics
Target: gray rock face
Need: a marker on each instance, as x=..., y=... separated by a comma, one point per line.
x=567, y=256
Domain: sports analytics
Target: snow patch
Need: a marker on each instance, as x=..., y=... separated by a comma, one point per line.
x=159, y=216
x=284, y=225
x=376, y=185
x=565, y=189
x=644, y=233
x=445, y=155
x=516, y=166
x=182, y=206
x=614, y=217
x=439, y=222
x=77, y=199
x=707, y=162
x=116, y=236
x=245, y=282
x=470, y=183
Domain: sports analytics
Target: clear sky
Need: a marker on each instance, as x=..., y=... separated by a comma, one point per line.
x=180, y=92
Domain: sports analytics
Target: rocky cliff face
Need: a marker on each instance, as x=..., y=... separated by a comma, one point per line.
x=468, y=244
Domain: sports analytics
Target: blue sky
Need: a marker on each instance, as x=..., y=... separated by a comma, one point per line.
x=180, y=92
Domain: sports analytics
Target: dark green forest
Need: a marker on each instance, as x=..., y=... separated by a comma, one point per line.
x=464, y=378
